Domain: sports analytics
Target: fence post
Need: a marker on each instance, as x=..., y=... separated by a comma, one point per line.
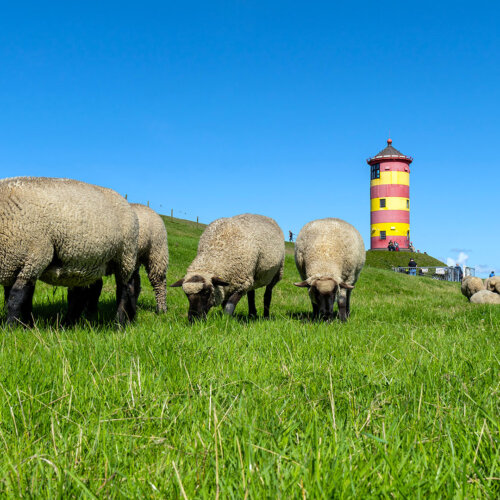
x=196, y=221
x=126, y=196
x=148, y=203
x=171, y=213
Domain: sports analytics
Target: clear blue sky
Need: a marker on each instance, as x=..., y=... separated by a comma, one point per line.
x=218, y=108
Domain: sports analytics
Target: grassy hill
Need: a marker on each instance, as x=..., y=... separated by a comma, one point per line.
x=388, y=260
x=400, y=401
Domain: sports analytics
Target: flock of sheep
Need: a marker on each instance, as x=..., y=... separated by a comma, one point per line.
x=70, y=233
x=479, y=292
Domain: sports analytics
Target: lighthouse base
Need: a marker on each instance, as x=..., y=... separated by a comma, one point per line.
x=378, y=244
x=386, y=249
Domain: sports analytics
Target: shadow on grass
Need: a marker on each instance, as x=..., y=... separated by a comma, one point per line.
x=52, y=315
x=308, y=317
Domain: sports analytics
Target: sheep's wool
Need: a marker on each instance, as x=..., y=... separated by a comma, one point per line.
x=330, y=248
x=471, y=285
x=247, y=251
x=325, y=286
x=485, y=297
x=192, y=288
x=153, y=251
x=64, y=232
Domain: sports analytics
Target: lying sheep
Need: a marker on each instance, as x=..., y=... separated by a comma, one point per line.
x=471, y=285
x=492, y=284
x=235, y=256
x=152, y=254
x=485, y=297
x=329, y=255
x=66, y=233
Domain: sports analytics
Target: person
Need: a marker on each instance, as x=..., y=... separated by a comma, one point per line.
x=491, y=274
x=412, y=248
x=390, y=247
x=458, y=272
x=396, y=246
x=290, y=236
x=413, y=267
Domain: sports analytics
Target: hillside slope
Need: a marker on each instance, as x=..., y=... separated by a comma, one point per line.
x=400, y=401
x=388, y=260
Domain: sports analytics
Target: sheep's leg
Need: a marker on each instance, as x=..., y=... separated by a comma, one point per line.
x=6, y=292
x=159, y=284
x=252, y=310
x=315, y=310
x=20, y=304
x=342, y=300
x=77, y=299
x=121, y=299
x=232, y=302
x=268, y=294
x=126, y=301
x=136, y=280
x=348, y=303
x=93, y=293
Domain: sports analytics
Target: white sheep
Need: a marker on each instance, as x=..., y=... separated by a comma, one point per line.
x=66, y=233
x=236, y=255
x=152, y=253
x=492, y=284
x=471, y=285
x=485, y=297
x=329, y=255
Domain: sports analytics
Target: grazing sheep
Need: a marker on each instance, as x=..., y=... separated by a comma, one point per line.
x=485, y=297
x=66, y=233
x=471, y=285
x=152, y=253
x=329, y=255
x=492, y=284
x=235, y=256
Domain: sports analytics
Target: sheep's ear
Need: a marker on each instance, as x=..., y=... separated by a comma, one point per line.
x=345, y=285
x=303, y=284
x=218, y=282
x=177, y=283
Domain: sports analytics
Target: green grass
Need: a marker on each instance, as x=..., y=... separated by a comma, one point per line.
x=402, y=401
x=388, y=260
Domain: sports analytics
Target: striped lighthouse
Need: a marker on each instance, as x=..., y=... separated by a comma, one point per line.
x=390, y=198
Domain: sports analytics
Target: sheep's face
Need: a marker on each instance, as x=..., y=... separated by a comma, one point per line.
x=202, y=294
x=323, y=292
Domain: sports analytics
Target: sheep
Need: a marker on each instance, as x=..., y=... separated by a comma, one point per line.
x=236, y=255
x=152, y=254
x=471, y=285
x=329, y=255
x=485, y=297
x=66, y=233
x=492, y=284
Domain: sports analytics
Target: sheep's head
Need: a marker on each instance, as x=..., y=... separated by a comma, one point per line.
x=323, y=292
x=202, y=293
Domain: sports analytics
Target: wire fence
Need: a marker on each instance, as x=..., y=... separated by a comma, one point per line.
x=437, y=273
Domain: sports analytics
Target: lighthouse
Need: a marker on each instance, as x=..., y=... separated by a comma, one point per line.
x=389, y=198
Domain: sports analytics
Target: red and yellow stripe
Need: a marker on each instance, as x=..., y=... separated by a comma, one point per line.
x=393, y=186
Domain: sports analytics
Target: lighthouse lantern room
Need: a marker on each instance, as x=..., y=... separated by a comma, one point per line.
x=390, y=198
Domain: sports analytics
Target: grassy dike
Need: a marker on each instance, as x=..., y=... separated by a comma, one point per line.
x=402, y=401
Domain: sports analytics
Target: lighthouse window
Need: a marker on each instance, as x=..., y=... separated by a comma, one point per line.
x=382, y=202
x=407, y=203
x=382, y=235
x=376, y=171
